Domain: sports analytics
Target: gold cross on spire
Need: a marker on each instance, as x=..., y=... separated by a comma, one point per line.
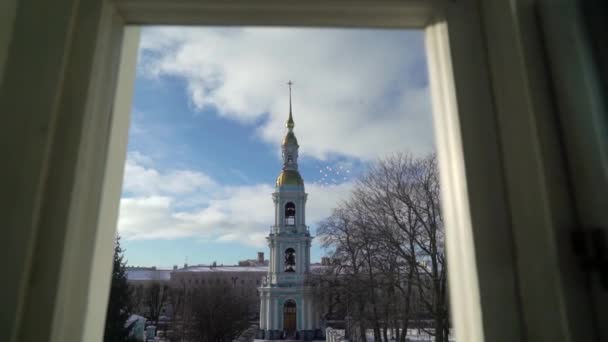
x=290, y=122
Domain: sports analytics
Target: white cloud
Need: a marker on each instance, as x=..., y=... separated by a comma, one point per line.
x=359, y=93
x=140, y=179
x=150, y=218
x=241, y=214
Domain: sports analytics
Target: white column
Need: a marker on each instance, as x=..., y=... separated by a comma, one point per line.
x=300, y=213
x=262, y=310
x=276, y=261
x=278, y=314
x=308, y=256
x=304, y=314
x=268, y=313
x=303, y=258
x=310, y=314
x=270, y=260
x=299, y=311
x=277, y=219
x=308, y=260
x=275, y=313
x=280, y=212
x=303, y=210
x=278, y=267
x=299, y=257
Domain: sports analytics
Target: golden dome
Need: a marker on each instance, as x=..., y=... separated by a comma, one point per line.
x=290, y=138
x=289, y=177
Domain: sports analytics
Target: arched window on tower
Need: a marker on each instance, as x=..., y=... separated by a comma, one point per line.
x=290, y=260
x=290, y=214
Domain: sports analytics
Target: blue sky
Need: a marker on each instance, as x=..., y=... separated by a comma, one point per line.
x=208, y=116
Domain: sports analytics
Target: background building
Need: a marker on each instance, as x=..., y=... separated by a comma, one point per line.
x=260, y=261
x=243, y=279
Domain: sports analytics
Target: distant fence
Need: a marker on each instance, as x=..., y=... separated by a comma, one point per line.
x=335, y=335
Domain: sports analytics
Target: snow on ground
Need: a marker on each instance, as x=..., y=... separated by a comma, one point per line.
x=413, y=335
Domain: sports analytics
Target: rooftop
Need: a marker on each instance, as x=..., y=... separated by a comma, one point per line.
x=205, y=268
x=146, y=273
x=151, y=273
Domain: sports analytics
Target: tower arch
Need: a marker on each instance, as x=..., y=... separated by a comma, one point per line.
x=290, y=260
x=290, y=214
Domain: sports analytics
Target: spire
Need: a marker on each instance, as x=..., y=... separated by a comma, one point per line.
x=290, y=122
x=290, y=175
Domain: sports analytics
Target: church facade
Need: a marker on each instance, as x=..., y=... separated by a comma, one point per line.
x=287, y=306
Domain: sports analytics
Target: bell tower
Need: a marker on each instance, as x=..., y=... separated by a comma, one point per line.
x=287, y=310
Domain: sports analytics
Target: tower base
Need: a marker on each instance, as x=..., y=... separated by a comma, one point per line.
x=301, y=335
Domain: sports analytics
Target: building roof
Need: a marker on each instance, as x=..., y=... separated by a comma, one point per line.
x=146, y=273
x=150, y=274
x=258, y=269
x=203, y=268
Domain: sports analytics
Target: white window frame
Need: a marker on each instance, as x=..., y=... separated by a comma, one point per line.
x=490, y=112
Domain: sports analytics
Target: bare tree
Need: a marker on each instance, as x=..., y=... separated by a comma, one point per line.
x=179, y=299
x=137, y=298
x=378, y=192
x=219, y=314
x=339, y=233
x=388, y=238
x=155, y=299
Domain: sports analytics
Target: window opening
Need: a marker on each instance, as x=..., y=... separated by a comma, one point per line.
x=290, y=260
x=290, y=214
